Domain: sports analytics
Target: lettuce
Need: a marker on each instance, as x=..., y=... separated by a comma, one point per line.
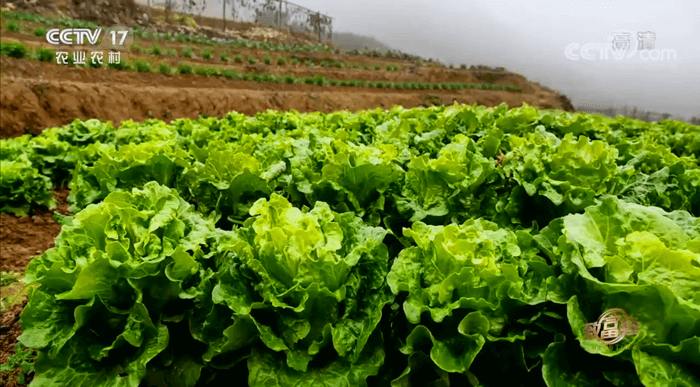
x=130, y=166
x=353, y=177
x=556, y=176
x=451, y=245
x=647, y=262
x=227, y=184
x=121, y=274
x=81, y=133
x=449, y=184
x=23, y=188
x=305, y=284
x=652, y=175
x=466, y=285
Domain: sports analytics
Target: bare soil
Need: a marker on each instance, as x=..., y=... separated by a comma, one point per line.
x=10, y=330
x=25, y=237
x=38, y=95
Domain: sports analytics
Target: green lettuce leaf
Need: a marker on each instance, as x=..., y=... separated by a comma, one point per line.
x=304, y=280
x=23, y=188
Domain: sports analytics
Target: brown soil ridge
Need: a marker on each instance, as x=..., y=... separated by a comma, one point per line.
x=47, y=95
x=30, y=105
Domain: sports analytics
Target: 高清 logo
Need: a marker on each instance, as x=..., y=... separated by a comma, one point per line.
x=620, y=45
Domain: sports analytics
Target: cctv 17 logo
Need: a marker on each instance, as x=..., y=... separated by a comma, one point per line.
x=114, y=36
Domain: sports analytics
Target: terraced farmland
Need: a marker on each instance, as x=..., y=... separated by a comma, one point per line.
x=182, y=77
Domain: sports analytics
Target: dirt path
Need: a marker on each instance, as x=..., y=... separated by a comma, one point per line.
x=25, y=237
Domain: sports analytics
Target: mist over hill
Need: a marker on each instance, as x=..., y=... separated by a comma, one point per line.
x=350, y=41
x=507, y=33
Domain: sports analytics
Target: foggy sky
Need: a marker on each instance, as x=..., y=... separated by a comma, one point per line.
x=530, y=37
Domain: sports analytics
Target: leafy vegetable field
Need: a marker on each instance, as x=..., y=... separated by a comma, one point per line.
x=448, y=246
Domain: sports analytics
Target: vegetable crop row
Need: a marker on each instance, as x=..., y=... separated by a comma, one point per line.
x=18, y=50
x=207, y=54
x=280, y=60
x=456, y=245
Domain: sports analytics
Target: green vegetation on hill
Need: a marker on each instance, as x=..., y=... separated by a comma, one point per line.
x=19, y=50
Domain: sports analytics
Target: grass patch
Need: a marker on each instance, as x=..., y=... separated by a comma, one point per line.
x=121, y=65
x=184, y=68
x=14, y=50
x=138, y=48
x=163, y=68
x=24, y=359
x=40, y=31
x=207, y=71
x=45, y=55
x=12, y=27
x=142, y=66
x=9, y=277
x=230, y=74
x=93, y=64
x=13, y=292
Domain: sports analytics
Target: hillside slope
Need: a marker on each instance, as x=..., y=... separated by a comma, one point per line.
x=350, y=41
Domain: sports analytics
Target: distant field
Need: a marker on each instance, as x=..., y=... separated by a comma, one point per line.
x=170, y=76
